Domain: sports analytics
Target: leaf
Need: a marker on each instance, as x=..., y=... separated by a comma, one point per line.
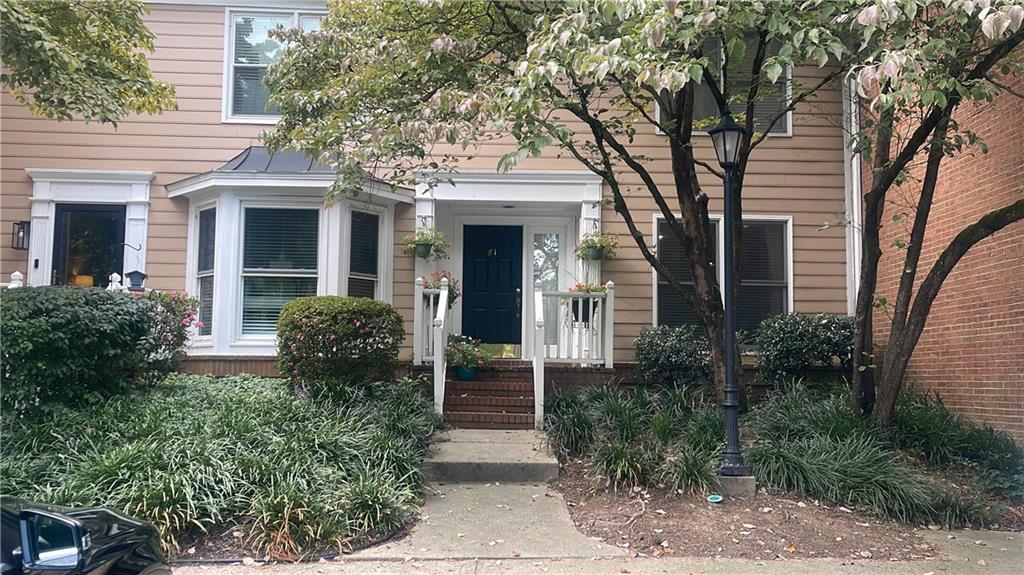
x=773, y=71
x=791, y=548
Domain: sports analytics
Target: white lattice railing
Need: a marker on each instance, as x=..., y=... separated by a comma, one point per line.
x=429, y=341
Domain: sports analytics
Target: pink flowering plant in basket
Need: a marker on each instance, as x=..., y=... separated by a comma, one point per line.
x=433, y=281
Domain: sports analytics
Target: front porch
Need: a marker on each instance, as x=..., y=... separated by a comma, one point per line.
x=513, y=238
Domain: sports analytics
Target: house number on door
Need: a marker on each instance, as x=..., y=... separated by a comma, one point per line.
x=491, y=252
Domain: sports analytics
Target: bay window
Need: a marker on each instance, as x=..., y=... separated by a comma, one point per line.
x=279, y=263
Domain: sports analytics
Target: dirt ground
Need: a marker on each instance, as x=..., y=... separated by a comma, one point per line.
x=655, y=523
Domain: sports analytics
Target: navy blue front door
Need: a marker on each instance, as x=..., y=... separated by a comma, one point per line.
x=492, y=272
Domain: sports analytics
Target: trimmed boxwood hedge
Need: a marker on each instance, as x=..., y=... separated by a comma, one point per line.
x=64, y=343
x=334, y=340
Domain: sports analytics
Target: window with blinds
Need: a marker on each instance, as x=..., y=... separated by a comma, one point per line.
x=252, y=50
x=770, y=102
x=364, y=255
x=672, y=309
x=279, y=263
x=764, y=286
x=204, y=268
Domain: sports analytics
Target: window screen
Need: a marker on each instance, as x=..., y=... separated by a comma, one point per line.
x=672, y=310
x=279, y=263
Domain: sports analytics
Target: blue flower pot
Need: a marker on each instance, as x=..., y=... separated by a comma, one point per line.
x=465, y=373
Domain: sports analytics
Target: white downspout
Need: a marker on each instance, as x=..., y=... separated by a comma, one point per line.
x=853, y=194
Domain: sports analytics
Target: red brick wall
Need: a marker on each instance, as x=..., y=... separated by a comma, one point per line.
x=972, y=349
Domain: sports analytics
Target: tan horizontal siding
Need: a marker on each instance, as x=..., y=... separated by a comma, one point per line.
x=801, y=176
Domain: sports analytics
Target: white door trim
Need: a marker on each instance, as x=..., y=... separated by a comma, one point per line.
x=50, y=187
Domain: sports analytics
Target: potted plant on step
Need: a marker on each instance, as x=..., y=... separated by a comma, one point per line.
x=597, y=246
x=581, y=308
x=433, y=281
x=465, y=355
x=427, y=243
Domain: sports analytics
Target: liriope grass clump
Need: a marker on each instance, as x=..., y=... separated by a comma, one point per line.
x=639, y=437
x=856, y=470
x=196, y=454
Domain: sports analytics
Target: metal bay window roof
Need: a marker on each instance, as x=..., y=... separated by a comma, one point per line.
x=260, y=167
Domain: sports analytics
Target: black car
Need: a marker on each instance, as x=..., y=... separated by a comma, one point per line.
x=37, y=539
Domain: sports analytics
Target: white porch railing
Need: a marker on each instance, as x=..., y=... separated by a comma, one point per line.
x=429, y=342
x=580, y=331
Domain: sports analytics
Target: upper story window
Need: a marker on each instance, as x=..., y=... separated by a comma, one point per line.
x=770, y=101
x=250, y=50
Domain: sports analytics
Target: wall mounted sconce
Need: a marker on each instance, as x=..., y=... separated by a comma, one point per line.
x=19, y=235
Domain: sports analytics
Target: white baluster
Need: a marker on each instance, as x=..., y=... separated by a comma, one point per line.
x=609, y=325
x=418, y=336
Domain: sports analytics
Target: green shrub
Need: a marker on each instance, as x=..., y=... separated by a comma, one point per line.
x=64, y=344
x=623, y=464
x=294, y=475
x=797, y=411
x=672, y=356
x=789, y=344
x=689, y=469
x=333, y=341
x=856, y=470
x=704, y=427
x=174, y=316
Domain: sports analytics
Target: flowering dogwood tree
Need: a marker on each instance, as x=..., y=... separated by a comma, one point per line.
x=931, y=57
x=401, y=88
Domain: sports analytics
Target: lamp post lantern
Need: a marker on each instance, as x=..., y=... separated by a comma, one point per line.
x=726, y=138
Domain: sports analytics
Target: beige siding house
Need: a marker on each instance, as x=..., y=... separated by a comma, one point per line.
x=192, y=200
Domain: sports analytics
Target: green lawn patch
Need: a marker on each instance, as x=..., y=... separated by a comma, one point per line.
x=196, y=454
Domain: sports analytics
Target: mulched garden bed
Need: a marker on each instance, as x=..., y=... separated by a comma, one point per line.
x=651, y=522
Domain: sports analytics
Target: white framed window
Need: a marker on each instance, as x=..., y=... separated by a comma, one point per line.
x=766, y=288
x=280, y=262
x=206, y=222
x=768, y=105
x=248, y=51
x=364, y=254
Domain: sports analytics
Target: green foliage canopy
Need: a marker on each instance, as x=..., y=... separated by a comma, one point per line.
x=69, y=59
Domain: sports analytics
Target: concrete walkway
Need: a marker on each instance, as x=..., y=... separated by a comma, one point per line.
x=492, y=520
x=1001, y=554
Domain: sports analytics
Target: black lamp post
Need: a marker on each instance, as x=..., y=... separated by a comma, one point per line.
x=726, y=138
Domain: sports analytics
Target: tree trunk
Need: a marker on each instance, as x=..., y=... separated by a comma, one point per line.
x=896, y=365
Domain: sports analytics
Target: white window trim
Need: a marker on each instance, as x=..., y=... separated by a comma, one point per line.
x=50, y=187
x=720, y=254
x=385, y=247
x=227, y=94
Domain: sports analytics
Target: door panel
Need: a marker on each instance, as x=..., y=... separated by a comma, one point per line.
x=492, y=290
x=88, y=244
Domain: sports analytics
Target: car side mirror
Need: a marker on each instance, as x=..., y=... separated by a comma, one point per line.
x=51, y=541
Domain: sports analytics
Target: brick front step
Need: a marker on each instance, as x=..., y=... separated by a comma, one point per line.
x=510, y=404
x=488, y=419
x=490, y=388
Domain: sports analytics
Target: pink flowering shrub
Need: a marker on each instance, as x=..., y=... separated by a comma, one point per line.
x=175, y=316
x=329, y=342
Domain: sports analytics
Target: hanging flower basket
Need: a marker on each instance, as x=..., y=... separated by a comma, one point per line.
x=595, y=253
x=423, y=250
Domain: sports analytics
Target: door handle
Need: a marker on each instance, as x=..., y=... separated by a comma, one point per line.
x=519, y=302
